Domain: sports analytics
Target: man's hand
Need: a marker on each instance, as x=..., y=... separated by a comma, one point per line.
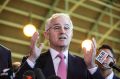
x=89, y=56
x=35, y=50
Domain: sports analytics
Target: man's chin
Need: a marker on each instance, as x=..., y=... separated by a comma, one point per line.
x=63, y=45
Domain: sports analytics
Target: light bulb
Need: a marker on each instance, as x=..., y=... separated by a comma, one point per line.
x=87, y=44
x=29, y=30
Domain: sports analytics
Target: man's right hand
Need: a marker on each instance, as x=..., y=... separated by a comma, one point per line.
x=35, y=50
x=89, y=56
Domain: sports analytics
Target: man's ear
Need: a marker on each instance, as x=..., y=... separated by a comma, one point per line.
x=46, y=35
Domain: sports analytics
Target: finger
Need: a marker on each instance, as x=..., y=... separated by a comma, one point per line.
x=35, y=36
x=92, y=50
x=84, y=51
x=94, y=42
x=34, y=39
x=94, y=46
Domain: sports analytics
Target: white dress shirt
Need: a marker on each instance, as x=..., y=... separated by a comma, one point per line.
x=56, y=60
x=110, y=76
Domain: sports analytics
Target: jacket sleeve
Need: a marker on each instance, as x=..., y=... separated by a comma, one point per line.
x=97, y=75
x=22, y=69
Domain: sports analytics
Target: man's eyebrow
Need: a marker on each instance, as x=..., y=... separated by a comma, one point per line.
x=56, y=24
x=60, y=24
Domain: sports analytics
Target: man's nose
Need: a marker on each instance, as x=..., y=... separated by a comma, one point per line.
x=63, y=30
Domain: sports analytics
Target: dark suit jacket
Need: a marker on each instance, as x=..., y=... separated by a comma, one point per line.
x=5, y=58
x=115, y=77
x=76, y=67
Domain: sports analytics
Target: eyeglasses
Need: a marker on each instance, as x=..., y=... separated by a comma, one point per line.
x=58, y=28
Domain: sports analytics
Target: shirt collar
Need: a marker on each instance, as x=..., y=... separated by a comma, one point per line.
x=110, y=76
x=54, y=53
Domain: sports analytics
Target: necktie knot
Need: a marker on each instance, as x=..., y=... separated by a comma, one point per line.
x=61, y=56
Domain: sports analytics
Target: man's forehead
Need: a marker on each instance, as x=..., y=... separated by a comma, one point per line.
x=60, y=18
x=58, y=24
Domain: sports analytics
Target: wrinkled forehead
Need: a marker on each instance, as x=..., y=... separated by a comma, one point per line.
x=61, y=20
x=58, y=19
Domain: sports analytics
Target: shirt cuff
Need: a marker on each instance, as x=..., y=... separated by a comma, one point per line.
x=30, y=63
x=92, y=70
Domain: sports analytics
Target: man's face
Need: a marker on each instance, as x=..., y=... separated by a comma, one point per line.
x=106, y=62
x=60, y=32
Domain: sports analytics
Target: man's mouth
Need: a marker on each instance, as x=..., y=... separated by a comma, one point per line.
x=62, y=37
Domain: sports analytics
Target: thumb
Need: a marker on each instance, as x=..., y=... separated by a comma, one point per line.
x=41, y=46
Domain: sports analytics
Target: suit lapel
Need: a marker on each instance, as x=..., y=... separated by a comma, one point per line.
x=70, y=70
x=48, y=69
x=76, y=68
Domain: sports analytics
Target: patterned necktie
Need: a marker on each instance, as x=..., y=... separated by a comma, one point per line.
x=62, y=70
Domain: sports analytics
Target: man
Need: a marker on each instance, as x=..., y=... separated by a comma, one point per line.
x=106, y=71
x=5, y=62
x=59, y=32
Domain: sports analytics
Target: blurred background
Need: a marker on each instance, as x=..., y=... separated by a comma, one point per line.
x=91, y=18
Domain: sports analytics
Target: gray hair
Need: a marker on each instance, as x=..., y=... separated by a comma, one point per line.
x=47, y=25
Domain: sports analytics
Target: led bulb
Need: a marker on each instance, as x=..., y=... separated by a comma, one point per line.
x=87, y=44
x=29, y=30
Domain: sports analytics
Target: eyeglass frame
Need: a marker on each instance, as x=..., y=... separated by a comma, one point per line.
x=58, y=27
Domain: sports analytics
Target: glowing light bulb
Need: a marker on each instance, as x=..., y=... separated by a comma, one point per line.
x=29, y=30
x=87, y=44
